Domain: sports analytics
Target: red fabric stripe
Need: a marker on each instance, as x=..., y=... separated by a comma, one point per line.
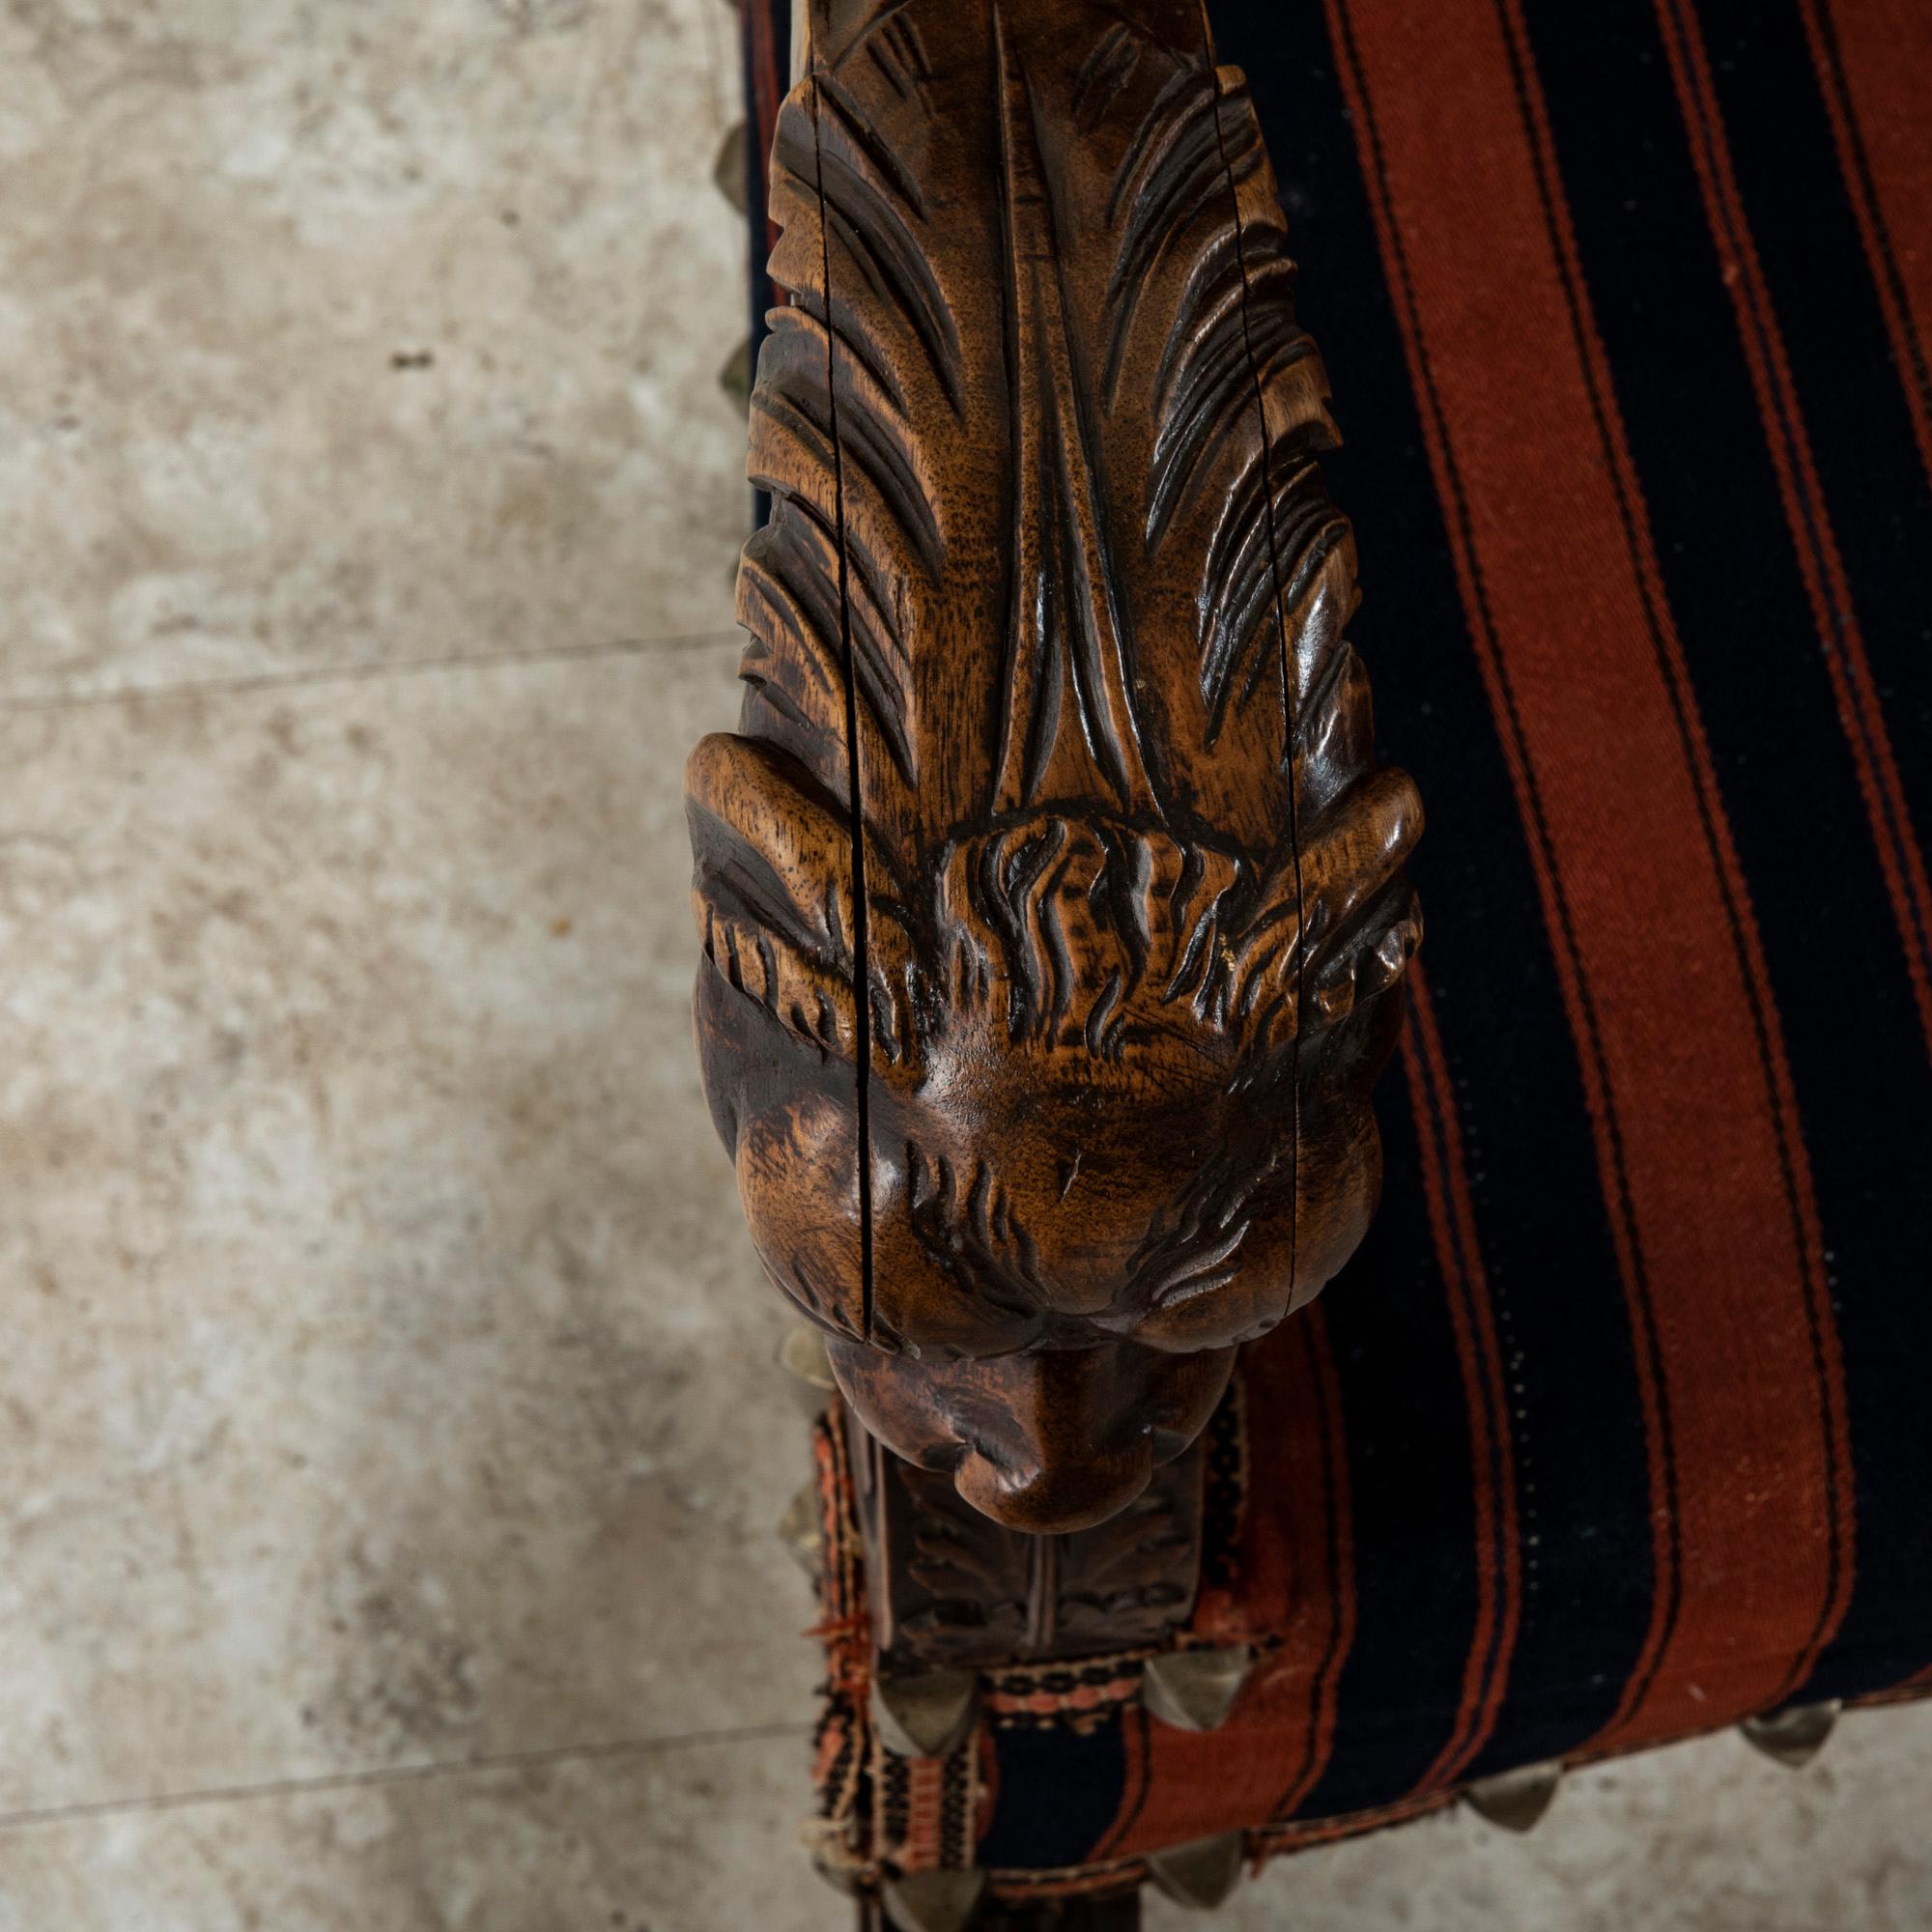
x=988, y=1758
x=1825, y=584
x=1681, y=1059
x=1452, y=1219
x=1298, y=1565
x=1874, y=62
x=1135, y=1726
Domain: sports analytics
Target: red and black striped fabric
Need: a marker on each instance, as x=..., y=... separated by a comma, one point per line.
x=1619, y=1428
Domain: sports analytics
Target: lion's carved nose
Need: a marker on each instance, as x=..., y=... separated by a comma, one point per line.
x=1053, y=1498
x=1046, y=1442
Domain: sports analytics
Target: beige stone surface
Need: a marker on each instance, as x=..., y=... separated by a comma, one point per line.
x=697, y=1840
x=361, y=332
x=389, y=1430
x=387, y=1374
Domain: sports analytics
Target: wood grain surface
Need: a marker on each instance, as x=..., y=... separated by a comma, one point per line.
x=1050, y=895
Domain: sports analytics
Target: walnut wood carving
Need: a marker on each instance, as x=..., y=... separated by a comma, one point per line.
x=951, y=1588
x=1049, y=894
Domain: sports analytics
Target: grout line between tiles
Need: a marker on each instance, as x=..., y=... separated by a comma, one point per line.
x=363, y=672
x=402, y=1774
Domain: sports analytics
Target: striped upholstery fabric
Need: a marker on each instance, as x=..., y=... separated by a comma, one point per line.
x=1620, y=1426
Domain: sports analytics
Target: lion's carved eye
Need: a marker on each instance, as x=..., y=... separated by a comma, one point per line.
x=970, y=1232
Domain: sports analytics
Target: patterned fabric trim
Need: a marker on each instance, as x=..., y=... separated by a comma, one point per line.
x=880, y=1814
x=1079, y=1695
x=877, y=1813
x=842, y=1741
x=927, y=1810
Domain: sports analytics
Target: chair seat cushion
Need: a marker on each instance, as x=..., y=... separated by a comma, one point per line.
x=1617, y=1428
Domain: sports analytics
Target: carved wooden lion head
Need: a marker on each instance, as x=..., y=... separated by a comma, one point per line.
x=1050, y=894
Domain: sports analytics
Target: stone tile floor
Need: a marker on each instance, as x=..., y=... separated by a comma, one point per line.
x=391, y=1441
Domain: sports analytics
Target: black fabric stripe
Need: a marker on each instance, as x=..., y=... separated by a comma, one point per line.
x=764, y=26
x=1409, y=1499
x=1849, y=387
x=1763, y=1024
x=1576, y=1419
x=1879, y=499
x=1787, y=775
x=1643, y=1334
x=1814, y=531
x=1433, y=1123
x=1329, y=1429
x=1059, y=1791
x=1917, y=373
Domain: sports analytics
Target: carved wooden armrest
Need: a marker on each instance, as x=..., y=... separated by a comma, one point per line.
x=1050, y=895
